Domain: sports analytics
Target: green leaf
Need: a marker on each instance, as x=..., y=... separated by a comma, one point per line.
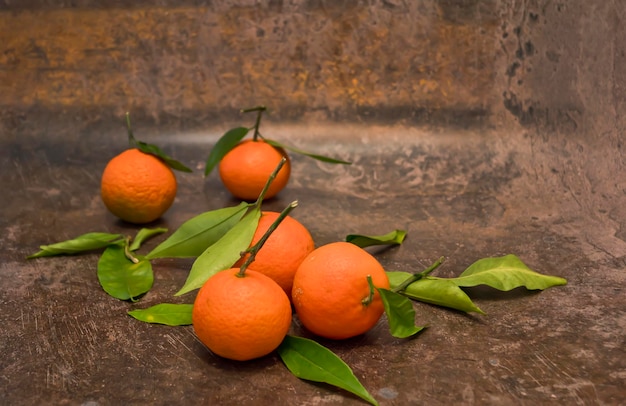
x=400, y=314
x=145, y=234
x=224, y=253
x=82, y=243
x=199, y=232
x=157, y=152
x=311, y=361
x=165, y=313
x=505, y=273
x=153, y=149
x=310, y=155
x=437, y=291
x=394, y=237
x=120, y=277
x=226, y=142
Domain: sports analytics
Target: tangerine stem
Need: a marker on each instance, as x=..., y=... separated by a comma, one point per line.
x=259, y=110
x=269, y=181
x=251, y=109
x=370, y=297
x=131, y=138
x=256, y=247
x=416, y=277
x=127, y=252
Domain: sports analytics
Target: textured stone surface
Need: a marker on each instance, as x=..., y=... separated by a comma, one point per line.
x=464, y=195
x=392, y=60
x=483, y=128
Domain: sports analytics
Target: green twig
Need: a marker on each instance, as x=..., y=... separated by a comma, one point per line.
x=269, y=181
x=127, y=252
x=416, y=277
x=259, y=110
x=256, y=247
x=131, y=138
x=370, y=297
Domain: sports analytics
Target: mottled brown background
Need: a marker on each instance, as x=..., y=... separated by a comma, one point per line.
x=482, y=127
x=463, y=61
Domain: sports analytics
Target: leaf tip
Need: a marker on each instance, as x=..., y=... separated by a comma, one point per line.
x=184, y=290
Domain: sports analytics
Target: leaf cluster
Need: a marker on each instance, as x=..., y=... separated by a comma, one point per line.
x=224, y=144
x=232, y=137
x=217, y=238
x=503, y=273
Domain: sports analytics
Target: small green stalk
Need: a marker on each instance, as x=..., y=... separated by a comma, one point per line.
x=259, y=110
x=131, y=138
x=256, y=247
x=271, y=178
x=127, y=252
x=416, y=277
x=370, y=297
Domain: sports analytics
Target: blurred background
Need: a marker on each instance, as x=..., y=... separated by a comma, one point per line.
x=190, y=63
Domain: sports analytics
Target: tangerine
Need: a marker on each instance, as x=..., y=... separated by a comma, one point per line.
x=241, y=317
x=284, y=250
x=331, y=294
x=244, y=170
x=137, y=187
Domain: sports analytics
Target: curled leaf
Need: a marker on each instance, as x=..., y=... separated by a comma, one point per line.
x=82, y=243
x=311, y=361
x=310, y=155
x=227, y=142
x=505, y=273
x=437, y=291
x=223, y=253
x=145, y=234
x=170, y=314
x=122, y=278
x=400, y=314
x=198, y=233
x=394, y=237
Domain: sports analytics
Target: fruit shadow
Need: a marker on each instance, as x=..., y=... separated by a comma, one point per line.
x=487, y=293
x=380, y=249
x=252, y=366
x=160, y=222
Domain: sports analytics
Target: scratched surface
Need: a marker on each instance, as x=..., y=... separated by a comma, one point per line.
x=462, y=195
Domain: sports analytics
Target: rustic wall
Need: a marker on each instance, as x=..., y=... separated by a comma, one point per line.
x=552, y=64
x=563, y=65
x=391, y=60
